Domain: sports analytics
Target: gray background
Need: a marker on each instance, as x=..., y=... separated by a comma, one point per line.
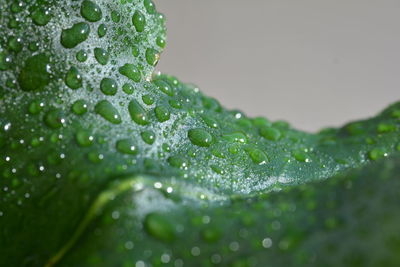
x=314, y=63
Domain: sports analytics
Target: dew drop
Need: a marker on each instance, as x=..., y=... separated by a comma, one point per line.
x=137, y=113
x=108, y=86
x=84, y=139
x=200, y=137
x=75, y=35
x=164, y=87
x=376, y=154
x=41, y=16
x=108, y=112
x=91, y=11
x=101, y=55
x=5, y=61
x=157, y=226
x=79, y=107
x=73, y=79
x=139, y=21
x=127, y=146
x=178, y=162
x=152, y=56
x=128, y=89
x=35, y=107
x=102, y=30
x=162, y=113
x=81, y=56
x=258, y=156
x=148, y=137
x=131, y=71
x=149, y=5
x=54, y=119
x=270, y=133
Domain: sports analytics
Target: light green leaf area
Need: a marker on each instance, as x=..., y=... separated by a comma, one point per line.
x=104, y=163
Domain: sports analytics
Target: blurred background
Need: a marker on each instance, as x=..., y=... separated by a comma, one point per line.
x=314, y=63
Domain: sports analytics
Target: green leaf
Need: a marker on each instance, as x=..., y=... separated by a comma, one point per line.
x=92, y=175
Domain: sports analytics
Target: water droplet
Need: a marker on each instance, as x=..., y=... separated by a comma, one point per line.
x=101, y=55
x=235, y=137
x=148, y=137
x=376, y=154
x=217, y=169
x=91, y=11
x=178, y=162
x=161, y=41
x=108, y=112
x=35, y=74
x=95, y=157
x=258, y=156
x=5, y=61
x=115, y=16
x=75, y=35
x=79, y=107
x=84, y=139
x=15, y=44
x=175, y=103
x=270, y=133
x=128, y=88
x=152, y=56
x=81, y=56
x=200, y=137
x=127, y=146
x=73, y=79
x=41, y=16
x=386, y=128
x=35, y=107
x=137, y=112
x=54, y=119
x=210, y=121
x=148, y=100
x=162, y=113
x=102, y=30
x=131, y=71
x=159, y=227
x=149, y=5
x=139, y=21
x=164, y=87
x=108, y=86
x=301, y=155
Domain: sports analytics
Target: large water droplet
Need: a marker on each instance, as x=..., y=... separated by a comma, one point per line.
x=137, y=112
x=139, y=21
x=200, y=137
x=75, y=35
x=73, y=79
x=131, y=71
x=101, y=55
x=91, y=11
x=127, y=146
x=108, y=112
x=162, y=113
x=108, y=86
